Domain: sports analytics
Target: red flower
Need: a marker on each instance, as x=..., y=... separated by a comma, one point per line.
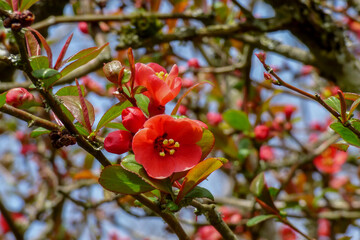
x=4, y=226
x=324, y=226
x=162, y=87
x=261, y=132
x=133, y=119
x=230, y=215
x=193, y=63
x=207, y=233
x=83, y=27
x=18, y=96
x=166, y=145
x=118, y=142
x=214, y=118
x=288, y=111
x=330, y=161
x=287, y=234
x=266, y=153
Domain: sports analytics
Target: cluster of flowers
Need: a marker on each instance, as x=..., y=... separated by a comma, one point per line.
x=161, y=143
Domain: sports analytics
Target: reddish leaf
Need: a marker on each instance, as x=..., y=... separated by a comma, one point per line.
x=59, y=63
x=80, y=54
x=198, y=174
x=174, y=111
x=72, y=103
x=82, y=60
x=45, y=45
x=15, y=5
x=132, y=67
x=84, y=107
x=26, y=4
x=32, y=44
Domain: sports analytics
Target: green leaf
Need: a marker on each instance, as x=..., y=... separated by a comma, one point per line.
x=340, y=146
x=258, y=219
x=4, y=5
x=82, y=60
x=258, y=184
x=273, y=191
x=353, y=107
x=2, y=99
x=143, y=102
x=81, y=54
x=351, y=96
x=346, y=134
x=115, y=125
x=82, y=130
x=237, y=120
x=116, y=179
x=199, y=192
x=206, y=143
x=112, y=113
x=127, y=76
x=334, y=103
x=70, y=91
x=260, y=190
x=39, y=62
x=198, y=174
x=44, y=43
x=39, y=131
x=47, y=75
x=26, y=4
x=129, y=163
x=72, y=103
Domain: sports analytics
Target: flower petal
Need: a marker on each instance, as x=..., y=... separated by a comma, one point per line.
x=187, y=156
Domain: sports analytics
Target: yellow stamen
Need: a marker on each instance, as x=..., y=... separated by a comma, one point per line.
x=171, y=141
x=162, y=154
x=177, y=144
x=172, y=151
x=166, y=142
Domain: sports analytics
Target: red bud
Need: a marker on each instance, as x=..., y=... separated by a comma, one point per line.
x=261, y=132
x=193, y=63
x=118, y=142
x=18, y=96
x=133, y=119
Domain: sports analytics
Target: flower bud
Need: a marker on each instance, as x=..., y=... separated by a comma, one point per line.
x=118, y=142
x=133, y=119
x=182, y=110
x=193, y=63
x=288, y=111
x=214, y=118
x=83, y=27
x=261, y=132
x=112, y=70
x=18, y=96
x=266, y=153
x=261, y=56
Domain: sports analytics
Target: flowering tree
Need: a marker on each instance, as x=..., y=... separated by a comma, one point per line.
x=130, y=128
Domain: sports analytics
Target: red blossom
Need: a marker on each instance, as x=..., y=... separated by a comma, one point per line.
x=187, y=82
x=338, y=181
x=93, y=86
x=306, y=70
x=83, y=27
x=230, y=215
x=133, y=119
x=214, y=118
x=287, y=233
x=162, y=87
x=266, y=153
x=324, y=227
x=193, y=63
x=18, y=96
x=261, y=56
x=288, y=111
x=330, y=161
x=118, y=142
x=4, y=226
x=261, y=132
x=182, y=110
x=207, y=233
x=166, y=145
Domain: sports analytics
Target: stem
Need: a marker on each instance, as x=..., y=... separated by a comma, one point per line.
x=55, y=106
x=168, y=218
x=215, y=219
x=29, y=118
x=10, y=221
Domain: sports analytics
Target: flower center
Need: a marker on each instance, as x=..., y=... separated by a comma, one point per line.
x=162, y=75
x=328, y=161
x=166, y=146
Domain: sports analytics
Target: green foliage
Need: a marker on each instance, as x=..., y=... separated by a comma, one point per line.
x=237, y=120
x=2, y=99
x=346, y=134
x=199, y=192
x=38, y=132
x=118, y=180
x=114, y=112
x=258, y=219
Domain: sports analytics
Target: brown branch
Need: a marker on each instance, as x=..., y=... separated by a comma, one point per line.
x=29, y=118
x=168, y=218
x=10, y=221
x=215, y=219
x=117, y=18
